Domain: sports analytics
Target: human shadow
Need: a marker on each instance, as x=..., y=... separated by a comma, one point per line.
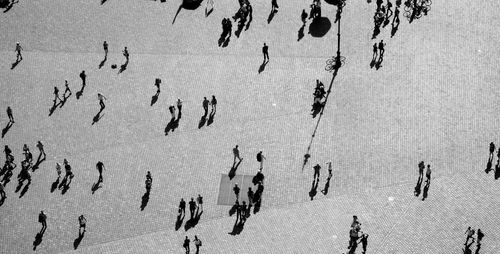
x=467, y=246
x=327, y=186
x=416, y=192
x=188, y=5
x=211, y=118
x=319, y=27
x=14, y=64
x=271, y=16
x=38, y=240
x=97, y=117
x=316, y=108
x=154, y=99
x=2, y=200
x=480, y=236
x=80, y=93
x=25, y=189
x=179, y=221
x=145, y=200
x=394, y=28
x=426, y=189
x=256, y=207
x=123, y=67
x=241, y=25
x=497, y=172
x=103, y=61
x=65, y=184
x=78, y=240
x=96, y=186
x=314, y=188
x=263, y=66
x=10, y=5
x=54, y=185
x=191, y=223
x=6, y=128
x=172, y=125
x=39, y=161
x=378, y=64
x=237, y=228
x=202, y=122
x=376, y=31
x=232, y=172
x=103, y=1
x=300, y=33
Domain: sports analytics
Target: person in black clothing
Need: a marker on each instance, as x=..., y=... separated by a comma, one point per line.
x=364, y=242
x=316, y=171
x=149, y=181
x=9, y=114
x=214, y=104
x=243, y=209
x=250, y=195
x=274, y=6
x=236, y=190
x=205, y=105
x=381, y=45
x=303, y=16
x=126, y=54
x=83, y=225
x=192, y=207
x=2, y=192
x=100, y=168
x=67, y=92
x=69, y=173
x=57, y=99
x=105, y=46
x=186, y=244
x=265, y=52
x=199, y=199
x=182, y=207
x=42, y=218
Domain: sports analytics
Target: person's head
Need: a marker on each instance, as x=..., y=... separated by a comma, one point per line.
x=192, y=199
x=17, y=43
x=187, y=238
x=235, y=185
x=428, y=166
x=236, y=146
x=265, y=44
x=249, y=188
x=244, y=203
x=354, y=217
x=65, y=161
x=204, y=98
x=182, y=199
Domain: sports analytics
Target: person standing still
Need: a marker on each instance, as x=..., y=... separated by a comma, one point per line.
x=186, y=244
x=205, y=105
x=214, y=104
x=265, y=52
x=83, y=222
x=236, y=153
x=105, y=46
x=428, y=173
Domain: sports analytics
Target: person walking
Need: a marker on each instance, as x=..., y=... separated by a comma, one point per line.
x=42, y=218
x=199, y=200
x=364, y=242
x=83, y=76
x=126, y=54
x=105, y=46
x=260, y=158
x=192, y=207
x=69, y=173
x=243, y=209
x=330, y=169
x=197, y=244
x=57, y=99
x=83, y=225
x=39, y=145
x=19, y=56
x=172, y=111
x=274, y=6
x=179, y=106
x=9, y=114
x=316, y=171
x=149, y=181
x=265, y=52
x=470, y=234
x=381, y=48
x=214, y=104
x=66, y=91
x=428, y=173
x=421, y=167
x=250, y=196
x=182, y=207
x=186, y=244
x=205, y=105
x=236, y=190
x=58, y=170
x=101, y=99
x=303, y=17
x=236, y=153
x=100, y=167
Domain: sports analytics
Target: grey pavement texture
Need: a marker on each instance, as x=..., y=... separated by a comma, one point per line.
x=433, y=100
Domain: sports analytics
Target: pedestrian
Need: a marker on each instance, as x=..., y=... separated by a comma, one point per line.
x=205, y=105
x=58, y=170
x=8, y=153
x=316, y=171
x=101, y=99
x=9, y=114
x=2, y=192
x=83, y=76
x=186, y=244
x=182, y=207
x=237, y=206
x=192, y=207
x=250, y=195
x=157, y=84
x=105, y=46
x=236, y=153
x=214, y=104
x=172, y=111
x=39, y=145
x=56, y=93
x=243, y=211
x=381, y=48
x=260, y=158
x=19, y=57
x=69, y=173
x=421, y=167
x=236, y=190
x=27, y=154
x=329, y=169
x=199, y=199
x=355, y=223
x=66, y=91
x=353, y=238
x=126, y=54
x=265, y=49
x=149, y=181
x=83, y=222
x=274, y=6
x=42, y=218
x=100, y=167
x=428, y=173
x=480, y=235
x=303, y=16
x=197, y=244
x=364, y=242
x=375, y=50
x=470, y=234
x=179, y=106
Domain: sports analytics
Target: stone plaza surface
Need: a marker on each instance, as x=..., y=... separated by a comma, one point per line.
x=433, y=100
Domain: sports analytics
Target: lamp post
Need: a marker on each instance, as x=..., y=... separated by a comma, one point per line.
x=337, y=61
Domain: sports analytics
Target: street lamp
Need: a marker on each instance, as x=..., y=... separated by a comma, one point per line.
x=336, y=61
